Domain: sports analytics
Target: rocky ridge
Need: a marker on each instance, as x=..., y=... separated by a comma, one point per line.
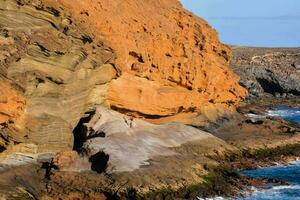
x=268, y=71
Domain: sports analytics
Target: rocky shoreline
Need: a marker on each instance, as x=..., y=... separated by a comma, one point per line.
x=141, y=104
x=201, y=168
x=251, y=145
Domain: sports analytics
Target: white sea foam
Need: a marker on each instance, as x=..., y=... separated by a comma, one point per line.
x=285, y=187
x=215, y=198
x=255, y=116
x=272, y=193
x=276, y=192
x=276, y=112
x=283, y=112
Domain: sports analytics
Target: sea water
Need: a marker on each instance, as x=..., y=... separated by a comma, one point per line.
x=290, y=114
x=289, y=173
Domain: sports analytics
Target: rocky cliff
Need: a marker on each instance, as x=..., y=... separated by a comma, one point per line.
x=173, y=54
x=112, y=87
x=148, y=59
x=51, y=74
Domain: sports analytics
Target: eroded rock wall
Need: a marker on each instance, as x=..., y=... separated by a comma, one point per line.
x=148, y=59
x=54, y=67
x=169, y=61
x=59, y=60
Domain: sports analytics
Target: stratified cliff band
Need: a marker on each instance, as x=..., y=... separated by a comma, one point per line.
x=147, y=59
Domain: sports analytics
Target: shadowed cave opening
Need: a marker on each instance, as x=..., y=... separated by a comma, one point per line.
x=80, y=131
x=269, y=86
x=272, y=87
x=2, y=149
x=99, y=162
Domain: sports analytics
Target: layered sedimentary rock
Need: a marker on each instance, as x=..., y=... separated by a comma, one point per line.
x=55, y=68
x=165, y=50
x=268, y=71
x=148, y=59
x=69, y=67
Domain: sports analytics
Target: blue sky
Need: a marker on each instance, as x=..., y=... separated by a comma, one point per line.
x=267, y=23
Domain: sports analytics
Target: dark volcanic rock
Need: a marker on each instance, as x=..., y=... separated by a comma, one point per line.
x=266, y=71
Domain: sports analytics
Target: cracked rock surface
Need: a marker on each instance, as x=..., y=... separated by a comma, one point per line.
x=268, y=71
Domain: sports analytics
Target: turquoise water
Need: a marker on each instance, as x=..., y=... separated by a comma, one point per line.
x=289, y=173
x=290, y=114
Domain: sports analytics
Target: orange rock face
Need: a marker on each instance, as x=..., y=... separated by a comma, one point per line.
x=149, y=59
x=169, y=61
x=12, y=103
